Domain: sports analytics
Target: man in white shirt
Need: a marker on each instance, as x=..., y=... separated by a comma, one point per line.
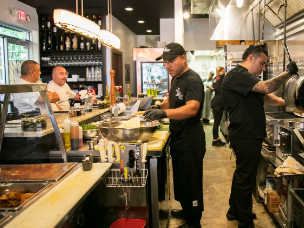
x=63, y=90
x=26, y=102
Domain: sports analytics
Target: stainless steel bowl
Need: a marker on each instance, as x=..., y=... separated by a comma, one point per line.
x=88, y=134
x=111, y=131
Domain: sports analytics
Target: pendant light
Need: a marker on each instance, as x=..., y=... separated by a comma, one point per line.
x=239, y=3
x=76, y=23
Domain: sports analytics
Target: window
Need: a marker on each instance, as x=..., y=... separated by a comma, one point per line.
x=15, y=32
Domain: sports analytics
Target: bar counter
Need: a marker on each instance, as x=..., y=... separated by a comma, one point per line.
x=60, y=117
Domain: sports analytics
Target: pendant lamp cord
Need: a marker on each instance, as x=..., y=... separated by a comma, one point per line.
x=110, y=15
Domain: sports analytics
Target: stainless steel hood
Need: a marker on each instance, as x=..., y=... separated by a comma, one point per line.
x=234, y=23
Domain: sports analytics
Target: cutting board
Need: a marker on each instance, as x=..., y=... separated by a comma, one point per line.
x=158, y=140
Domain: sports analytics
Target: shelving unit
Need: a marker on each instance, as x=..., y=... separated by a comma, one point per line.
x=70, y=49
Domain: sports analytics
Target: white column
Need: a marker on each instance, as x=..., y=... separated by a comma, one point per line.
x=166, y=27
x=178, y=22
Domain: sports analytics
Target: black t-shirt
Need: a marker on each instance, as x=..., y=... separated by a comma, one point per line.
x=187, y=87
x=217, y=84
x=245, y=107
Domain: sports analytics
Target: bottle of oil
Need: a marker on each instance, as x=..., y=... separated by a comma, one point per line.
x=107, y=97
x=148, y=90
x=67, y=135
x=129, y=93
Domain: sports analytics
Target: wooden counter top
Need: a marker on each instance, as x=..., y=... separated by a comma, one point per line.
x=51, y=208
x=60, y=117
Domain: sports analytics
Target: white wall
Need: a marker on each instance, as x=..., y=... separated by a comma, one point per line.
x=128, y=41
x=196, y=33
x=166, y=30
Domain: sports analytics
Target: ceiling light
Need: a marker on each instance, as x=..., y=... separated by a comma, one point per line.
x=149, y=30
x=239, y=3
x=109, y=39
x=128, y=9
x=140, y=22
x=186, y=15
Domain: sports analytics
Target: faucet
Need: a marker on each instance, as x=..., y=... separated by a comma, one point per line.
x=114, y=110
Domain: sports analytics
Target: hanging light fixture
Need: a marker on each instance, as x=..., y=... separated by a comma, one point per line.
x=239, y=3
x=76, y=23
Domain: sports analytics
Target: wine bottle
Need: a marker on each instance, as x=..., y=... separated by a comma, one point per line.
x=93, y=44
x=54, y=30
x=88, y=45
x=129, y=93
x=42, y=22
x=99, y=20
x=81, y=43
x=49, y=39
x=99, y=45
x=94, y=18
x=43, y=45
x=61, y=44
x=107, y=97
x=48, y=23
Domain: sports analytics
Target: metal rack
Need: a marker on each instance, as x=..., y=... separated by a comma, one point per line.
x=118, y=180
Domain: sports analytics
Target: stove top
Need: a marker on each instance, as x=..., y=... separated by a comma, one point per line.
x=281, y=115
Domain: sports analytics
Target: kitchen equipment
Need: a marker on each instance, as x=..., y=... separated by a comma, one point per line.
x=294, y=94
x=37, y=188
x=34, y=172
x=87, y=162
x=112, y=132
x=145, y=103
x=298, y=212
x=88, y=134
x=4, y=216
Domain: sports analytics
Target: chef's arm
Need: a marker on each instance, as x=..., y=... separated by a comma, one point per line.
x=184, y=112
x=273, y=100
x=271, y=85
x=50, y=95
x=77, y=97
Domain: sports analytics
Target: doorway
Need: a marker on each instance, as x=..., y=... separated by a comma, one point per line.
x=117, y=67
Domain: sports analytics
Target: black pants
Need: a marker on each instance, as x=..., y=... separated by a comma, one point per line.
x=248, y=152
x=187, y=148
x=218, y=114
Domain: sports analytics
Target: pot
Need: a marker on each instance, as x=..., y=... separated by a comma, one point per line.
x=294, y=94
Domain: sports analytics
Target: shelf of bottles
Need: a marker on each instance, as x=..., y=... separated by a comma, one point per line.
x=53, y=38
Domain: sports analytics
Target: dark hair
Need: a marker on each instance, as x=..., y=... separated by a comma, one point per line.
x=27, y=66
x=255, y=50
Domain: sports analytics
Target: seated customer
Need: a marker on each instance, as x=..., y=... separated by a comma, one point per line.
x=64, y=91
x=26, y=102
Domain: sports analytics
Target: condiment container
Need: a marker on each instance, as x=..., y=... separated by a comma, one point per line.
x=80, y=137
x=62, y=134
x=66, y=127
x=74, y=135
x=72, y=112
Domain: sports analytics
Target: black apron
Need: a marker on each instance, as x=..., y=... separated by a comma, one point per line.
x=188, y=147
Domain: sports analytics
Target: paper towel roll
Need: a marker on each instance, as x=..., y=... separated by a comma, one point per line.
x=122, y=107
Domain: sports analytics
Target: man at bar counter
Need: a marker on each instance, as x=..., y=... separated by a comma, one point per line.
x=244, y=95
x=187, y=145
x=26, y=102
x=64, y=91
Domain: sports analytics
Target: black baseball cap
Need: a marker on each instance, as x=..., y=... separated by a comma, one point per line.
x=171, y=51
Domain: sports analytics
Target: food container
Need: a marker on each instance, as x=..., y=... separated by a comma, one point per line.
x=88, y=134
x=7, y=188
x=102, y=105
x=72, y=112
x=37, y=123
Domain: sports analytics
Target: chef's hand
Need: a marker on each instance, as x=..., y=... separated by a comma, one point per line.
x=154, y=107
x=155, y=114
x=292, y=68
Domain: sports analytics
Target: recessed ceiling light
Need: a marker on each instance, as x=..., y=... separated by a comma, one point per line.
x=141, y=21
x=149, y=30
x=128, y=9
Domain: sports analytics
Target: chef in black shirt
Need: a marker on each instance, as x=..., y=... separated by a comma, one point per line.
x=244, y=95
x=187, y=145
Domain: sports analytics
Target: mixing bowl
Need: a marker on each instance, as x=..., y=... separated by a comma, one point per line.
x=88, y=134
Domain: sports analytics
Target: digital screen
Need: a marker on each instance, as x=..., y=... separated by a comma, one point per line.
x=21, y=15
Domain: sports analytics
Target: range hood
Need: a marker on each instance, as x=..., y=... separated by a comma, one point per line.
x=233, y=23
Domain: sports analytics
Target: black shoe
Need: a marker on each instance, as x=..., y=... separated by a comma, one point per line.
x=218, y=143
x=186, y=225
x=233, y=217
x=176, y=213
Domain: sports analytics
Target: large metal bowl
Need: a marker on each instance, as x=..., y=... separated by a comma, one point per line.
x=88, y=134
x=111, y=131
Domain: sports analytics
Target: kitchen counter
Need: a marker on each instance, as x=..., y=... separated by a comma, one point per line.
x=52, y=208
x=60, y=117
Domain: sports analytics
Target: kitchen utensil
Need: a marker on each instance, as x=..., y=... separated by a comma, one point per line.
x=112, y=132
x=294, y=94
x=88, y=134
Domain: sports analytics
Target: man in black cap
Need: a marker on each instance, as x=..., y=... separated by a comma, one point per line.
x=187, y=145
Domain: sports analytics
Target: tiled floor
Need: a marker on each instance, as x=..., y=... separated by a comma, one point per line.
x=218, y=170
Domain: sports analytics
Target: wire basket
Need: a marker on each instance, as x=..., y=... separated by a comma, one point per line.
x=116, y=179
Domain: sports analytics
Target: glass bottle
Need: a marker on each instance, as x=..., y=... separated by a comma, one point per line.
x=129, y=93
x=88, y=45
x=61, y=44
x=80, y=137
x=48, y=23
x=42, y=22
x=154, y=91
x=148, y=90
x=67, y=133
x=107, y=97
x=81, y=43
x=99, y=45
x=54, y=30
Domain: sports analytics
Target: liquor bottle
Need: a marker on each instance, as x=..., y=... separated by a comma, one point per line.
x=48, y=23
x=93, y=44
x=43, y=45
x=54, y=30
x=107, y=97
x=42, y=22
x=49, y=39
x=129, y=93
x=99, y=45
x=94, y=18
x=61, y=44
x=88, y=45
x=99, y=20
x=81, y=43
